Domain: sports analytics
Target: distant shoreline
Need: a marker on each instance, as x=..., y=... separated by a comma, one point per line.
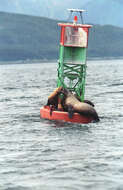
x=41, y=61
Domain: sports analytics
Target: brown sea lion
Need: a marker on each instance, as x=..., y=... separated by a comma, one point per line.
x=54, y=100
x=71, y=104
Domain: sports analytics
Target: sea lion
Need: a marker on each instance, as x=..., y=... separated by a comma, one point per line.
x=71, y=104
x=54, y=100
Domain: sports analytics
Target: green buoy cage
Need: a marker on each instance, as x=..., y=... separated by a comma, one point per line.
x=72, y=57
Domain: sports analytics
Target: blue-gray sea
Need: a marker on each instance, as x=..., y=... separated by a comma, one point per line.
x=37, y=154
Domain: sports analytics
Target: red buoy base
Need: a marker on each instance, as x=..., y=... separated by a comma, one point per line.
x=63, y=116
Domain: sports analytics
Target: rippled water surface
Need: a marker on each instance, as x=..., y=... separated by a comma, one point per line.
x=37, y=154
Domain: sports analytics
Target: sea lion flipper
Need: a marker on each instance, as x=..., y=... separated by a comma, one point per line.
x=70, y=111
x=89, y=102
x=51, y=110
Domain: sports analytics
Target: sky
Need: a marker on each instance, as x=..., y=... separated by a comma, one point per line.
x=98, y=11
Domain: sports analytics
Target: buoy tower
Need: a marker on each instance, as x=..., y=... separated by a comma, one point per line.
x=71, y=73
x=72, y=54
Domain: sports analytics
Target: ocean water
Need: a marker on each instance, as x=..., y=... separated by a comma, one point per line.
x=37, y=154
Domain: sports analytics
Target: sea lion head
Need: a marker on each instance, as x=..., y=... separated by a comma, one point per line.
x=53, y=98
x=65, y=92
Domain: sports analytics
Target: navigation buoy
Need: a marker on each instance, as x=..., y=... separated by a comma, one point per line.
x=71, y=72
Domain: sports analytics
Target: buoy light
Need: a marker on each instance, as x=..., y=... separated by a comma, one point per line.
x=75, y=19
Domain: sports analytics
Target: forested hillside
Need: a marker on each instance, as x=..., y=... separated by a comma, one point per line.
x=28, y=37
